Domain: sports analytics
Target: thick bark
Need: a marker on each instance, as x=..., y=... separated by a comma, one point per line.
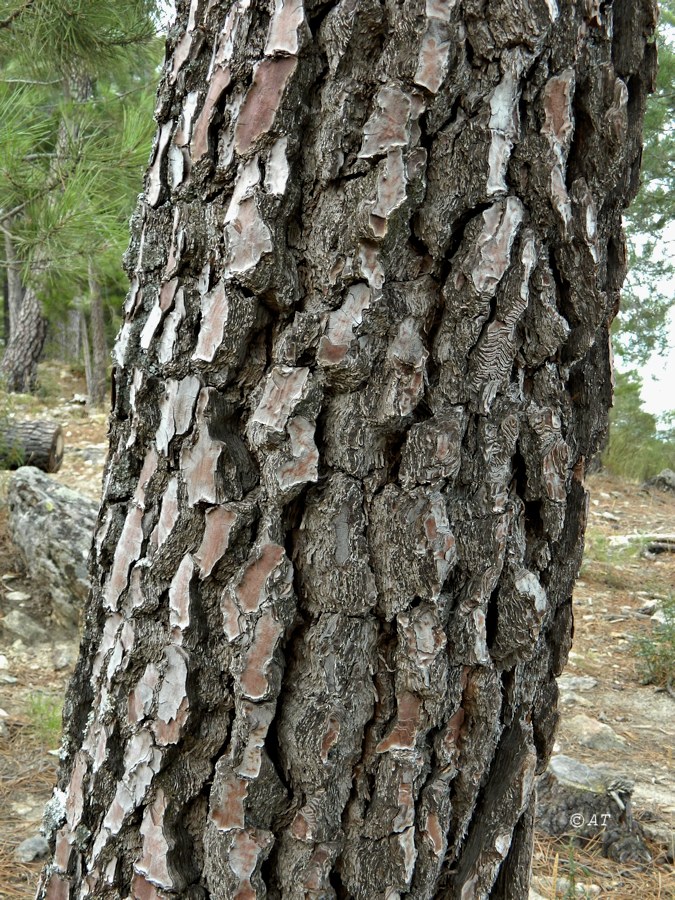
x=18, y=368
x=98, y=379
x=35, y=443
x=364, y=361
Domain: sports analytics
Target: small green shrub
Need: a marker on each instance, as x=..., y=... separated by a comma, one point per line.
x=657, y=652
x=44, y=712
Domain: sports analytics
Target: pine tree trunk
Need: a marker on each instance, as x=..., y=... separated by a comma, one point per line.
x=22, y=354
x=364, y=362
x=97, y=390
x=86, y=357
x=14, y=284
x=69, y=331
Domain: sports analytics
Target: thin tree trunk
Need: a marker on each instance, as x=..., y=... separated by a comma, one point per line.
x=23, y=352
x=73, y=327
x=99, y=358
x=14, y=284
x=357, y=388
x=86, y=356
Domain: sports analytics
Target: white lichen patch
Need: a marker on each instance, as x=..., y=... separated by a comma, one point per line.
x=391, y=192
x=176, y=410
x=167, y=340
x=504, y=126
x=153, y=182
x=558, y=127
x=494, y=244
x=406, y=361
x=303, y=467
x=215, y=309
x=339, y=335
x=218, y=523
x=199, y=144
x=154, y=864
x=276, y=168
x=179, y=599
x=284, y=31
x=389, y=125
x=262, y=102
x=199, y=460
x=172, y=701
x=284, y=387
x=434, y=54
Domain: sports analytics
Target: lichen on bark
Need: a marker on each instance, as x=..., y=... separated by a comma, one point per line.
x=364, y=362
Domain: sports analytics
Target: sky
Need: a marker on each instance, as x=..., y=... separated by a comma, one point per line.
x=658, y=391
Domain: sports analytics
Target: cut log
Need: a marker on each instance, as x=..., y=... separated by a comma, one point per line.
x=622, y=540
x=37, y=443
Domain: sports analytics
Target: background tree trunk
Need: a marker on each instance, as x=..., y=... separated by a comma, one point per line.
x=69, y=334
x=97, y=389
x=14, y=284
x=22, y=354
x=344, y=507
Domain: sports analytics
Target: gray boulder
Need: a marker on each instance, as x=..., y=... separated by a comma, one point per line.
x=664, y=481
x=52, y=526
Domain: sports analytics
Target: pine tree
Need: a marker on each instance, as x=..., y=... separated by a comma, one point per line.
x=647, y=297
x=75, y=96
x=364, y=361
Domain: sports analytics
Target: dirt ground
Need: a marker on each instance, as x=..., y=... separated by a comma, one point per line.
x=614, y=598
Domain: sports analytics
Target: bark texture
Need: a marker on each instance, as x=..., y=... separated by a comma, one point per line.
x=18, y=368
x=364, y=361
x=13, y=282
x=98, y=381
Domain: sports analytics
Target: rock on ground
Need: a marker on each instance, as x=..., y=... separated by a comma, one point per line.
x=664, y=481
x=32, y=848
x=590, y=733
x=52, y=526
x=22, y=626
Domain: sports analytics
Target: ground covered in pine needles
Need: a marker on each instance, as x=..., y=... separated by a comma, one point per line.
x=618, y=644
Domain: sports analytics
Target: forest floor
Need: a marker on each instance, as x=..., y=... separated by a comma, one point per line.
x=614, y=601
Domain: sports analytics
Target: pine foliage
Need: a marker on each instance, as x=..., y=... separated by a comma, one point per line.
x=641, y=327
x=77, y=85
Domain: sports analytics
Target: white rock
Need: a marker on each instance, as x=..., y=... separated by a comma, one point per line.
x=592, y=734
x=17, y=596
x=31, y=849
